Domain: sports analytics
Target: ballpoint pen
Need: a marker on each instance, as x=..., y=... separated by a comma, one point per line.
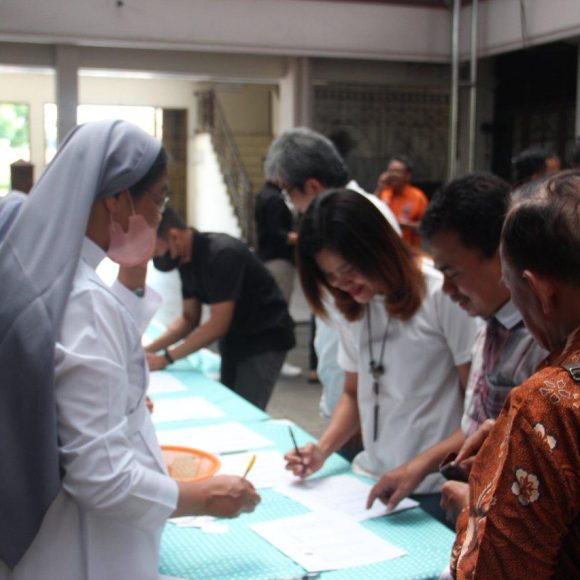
x=296, y=450
x=250, y=465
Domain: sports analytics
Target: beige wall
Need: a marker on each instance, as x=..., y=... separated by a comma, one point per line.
x=248, y=108
x=37, y=89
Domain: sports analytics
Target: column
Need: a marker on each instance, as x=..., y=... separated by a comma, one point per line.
x=295, y=106
x=67, y=88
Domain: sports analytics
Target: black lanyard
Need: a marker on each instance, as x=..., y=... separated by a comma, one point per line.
x=377, y=370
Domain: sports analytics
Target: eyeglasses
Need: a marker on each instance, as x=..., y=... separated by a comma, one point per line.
x=161, y=202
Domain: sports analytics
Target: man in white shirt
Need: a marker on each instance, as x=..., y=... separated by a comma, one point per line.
x=304, y=164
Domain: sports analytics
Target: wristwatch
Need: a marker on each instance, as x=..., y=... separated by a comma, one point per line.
x=168, y=357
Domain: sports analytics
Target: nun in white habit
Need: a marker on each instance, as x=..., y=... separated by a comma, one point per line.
x=84, y=493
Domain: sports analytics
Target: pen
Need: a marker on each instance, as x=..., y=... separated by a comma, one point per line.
x=296, y=450
x=250, y=465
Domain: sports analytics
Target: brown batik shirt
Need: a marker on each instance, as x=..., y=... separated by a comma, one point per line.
x=523, y=519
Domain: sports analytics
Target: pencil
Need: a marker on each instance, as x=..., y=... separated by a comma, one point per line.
x=296, y=450
x=250, y=465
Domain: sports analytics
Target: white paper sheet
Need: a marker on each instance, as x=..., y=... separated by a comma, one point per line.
x=267, y=471
x=339, y=493
x=321, y=541
x=189, y=408
x=161, y=383
x=221, y=438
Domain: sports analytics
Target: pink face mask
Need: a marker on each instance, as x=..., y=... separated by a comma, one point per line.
x=136, y=245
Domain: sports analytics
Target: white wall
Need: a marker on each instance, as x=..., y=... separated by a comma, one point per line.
x=501, y=28
x=287, y=27
x=209, y=209
x=38, y=88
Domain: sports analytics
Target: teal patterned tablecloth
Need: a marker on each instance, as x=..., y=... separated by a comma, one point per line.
x=242, y=554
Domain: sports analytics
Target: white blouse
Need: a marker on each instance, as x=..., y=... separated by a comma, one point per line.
x=420, y=399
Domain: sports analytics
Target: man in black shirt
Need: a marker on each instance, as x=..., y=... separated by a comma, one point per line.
x=276, y=238
x=248, y=314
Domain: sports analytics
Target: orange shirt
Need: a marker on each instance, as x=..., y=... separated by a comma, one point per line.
x=408, y=206
x=523, y=518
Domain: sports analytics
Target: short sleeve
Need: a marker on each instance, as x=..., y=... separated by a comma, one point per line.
x=347, y=346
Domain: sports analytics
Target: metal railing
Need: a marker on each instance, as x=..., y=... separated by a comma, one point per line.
x=238, y=185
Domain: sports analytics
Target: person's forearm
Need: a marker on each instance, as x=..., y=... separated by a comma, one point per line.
x=429, y=460
x=133, y=278
x=202, y=336
x=191, y=501
x=177, y=330
x=344, y=424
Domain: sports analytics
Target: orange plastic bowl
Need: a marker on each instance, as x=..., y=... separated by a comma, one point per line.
x=189, y=464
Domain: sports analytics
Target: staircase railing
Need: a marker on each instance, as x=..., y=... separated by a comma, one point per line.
x=212, y=120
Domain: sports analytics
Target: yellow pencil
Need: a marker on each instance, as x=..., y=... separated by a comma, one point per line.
x=250, y=465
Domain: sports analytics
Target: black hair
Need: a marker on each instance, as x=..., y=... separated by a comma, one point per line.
x=169, y=220
x=530, y=162
x=542, y=230
x=474, y=207
x=403, y=159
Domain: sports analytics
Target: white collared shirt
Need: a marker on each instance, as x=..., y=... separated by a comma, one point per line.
x=420, y=398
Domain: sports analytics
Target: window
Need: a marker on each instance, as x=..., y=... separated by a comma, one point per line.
x=14, y=139
x=150, y=119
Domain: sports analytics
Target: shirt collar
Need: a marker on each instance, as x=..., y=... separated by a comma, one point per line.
x=92, y=254
x=354, y=186
x=508, y=315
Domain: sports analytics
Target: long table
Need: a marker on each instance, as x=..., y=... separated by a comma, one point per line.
x=242, y=554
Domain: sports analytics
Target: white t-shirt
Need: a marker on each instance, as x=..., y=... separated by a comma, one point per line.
x=420, y=399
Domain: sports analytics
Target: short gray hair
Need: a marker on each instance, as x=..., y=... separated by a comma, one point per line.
x=300, y=154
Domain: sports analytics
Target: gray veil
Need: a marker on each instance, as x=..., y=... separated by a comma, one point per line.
x=40, y=243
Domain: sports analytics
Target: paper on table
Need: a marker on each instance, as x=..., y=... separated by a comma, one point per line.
x=221, y=438
x=268, y=470
x=323, y=540
x=339, y=493
x=161, y=383
x=167, y=410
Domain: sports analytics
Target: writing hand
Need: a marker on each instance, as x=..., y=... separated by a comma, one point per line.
x=309, y=460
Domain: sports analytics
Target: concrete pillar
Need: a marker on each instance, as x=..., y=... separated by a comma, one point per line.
x=67, y=88
x=295, y=106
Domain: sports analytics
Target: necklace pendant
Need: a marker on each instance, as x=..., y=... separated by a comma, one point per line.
x=376, y=370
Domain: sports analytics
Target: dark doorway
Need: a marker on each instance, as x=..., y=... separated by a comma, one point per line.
x=535, y=103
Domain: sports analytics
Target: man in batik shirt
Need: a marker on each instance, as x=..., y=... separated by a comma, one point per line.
x=523, y=518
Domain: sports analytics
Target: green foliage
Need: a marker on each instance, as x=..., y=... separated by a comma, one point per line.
x=14, y=123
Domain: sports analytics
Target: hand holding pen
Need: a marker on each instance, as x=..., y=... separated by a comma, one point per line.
x=304, y=461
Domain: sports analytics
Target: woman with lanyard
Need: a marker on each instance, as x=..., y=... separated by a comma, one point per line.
x=404, y=346
x=85, y=493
